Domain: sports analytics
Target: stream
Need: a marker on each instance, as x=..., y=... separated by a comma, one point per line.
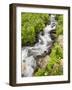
x=42, y=47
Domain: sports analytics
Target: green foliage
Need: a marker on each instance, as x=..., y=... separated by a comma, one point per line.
x=56, y=53
x=31, y=25
x=28, y=35
x=40, y=72
x=59, y=29
x=54, y=66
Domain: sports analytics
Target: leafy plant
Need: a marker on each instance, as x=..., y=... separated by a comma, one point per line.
x=59, y=28
x=56, y=56
x=31, y=25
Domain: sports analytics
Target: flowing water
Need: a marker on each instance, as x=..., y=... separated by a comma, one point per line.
x=43, y=45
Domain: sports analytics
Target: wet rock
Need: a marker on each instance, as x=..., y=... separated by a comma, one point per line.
x=60, y=40
x=42, y=61
x=26, y=70
x=28, y=66
x=61, y=62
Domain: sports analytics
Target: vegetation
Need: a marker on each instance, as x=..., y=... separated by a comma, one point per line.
x=59, y=29
x=32, y=24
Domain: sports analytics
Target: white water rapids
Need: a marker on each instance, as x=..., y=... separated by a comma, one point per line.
x=42, y=46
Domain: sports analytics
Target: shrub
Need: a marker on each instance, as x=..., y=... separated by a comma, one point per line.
x=31, y=25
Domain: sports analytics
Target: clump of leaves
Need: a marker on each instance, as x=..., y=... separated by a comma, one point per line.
x=31, y=25
x=40, y=72
x=59, y=28
x=54, y=66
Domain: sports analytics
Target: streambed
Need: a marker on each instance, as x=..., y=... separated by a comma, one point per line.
x=37, y=55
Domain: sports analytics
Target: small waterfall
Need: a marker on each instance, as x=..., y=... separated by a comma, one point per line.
x=44, y=44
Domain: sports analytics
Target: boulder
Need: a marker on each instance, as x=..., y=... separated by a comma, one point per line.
x=42, y=61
